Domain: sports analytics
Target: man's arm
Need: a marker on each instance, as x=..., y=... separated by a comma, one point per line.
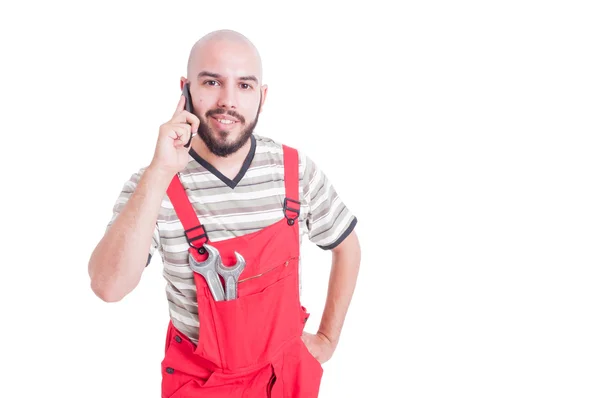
x=330, y=225
x=117, y=262
x=342, y=281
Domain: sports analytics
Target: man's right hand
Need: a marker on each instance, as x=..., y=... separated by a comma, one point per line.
x=170, y=155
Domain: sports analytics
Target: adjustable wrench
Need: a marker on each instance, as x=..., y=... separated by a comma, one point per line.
x=231, y=275
x=208, y=269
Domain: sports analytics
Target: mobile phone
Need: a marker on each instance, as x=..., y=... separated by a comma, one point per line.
x=188, y=107
x=188, y=97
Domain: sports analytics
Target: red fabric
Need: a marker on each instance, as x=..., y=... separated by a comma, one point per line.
x=251, y=346
x=186, y=213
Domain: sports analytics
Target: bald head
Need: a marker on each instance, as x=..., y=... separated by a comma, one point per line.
x=224, y=76
x=224, y=42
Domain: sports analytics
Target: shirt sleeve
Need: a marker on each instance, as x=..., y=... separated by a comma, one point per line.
x=126, y=191
x=328, y=220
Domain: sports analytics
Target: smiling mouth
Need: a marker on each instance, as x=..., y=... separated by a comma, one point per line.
x=225, y=121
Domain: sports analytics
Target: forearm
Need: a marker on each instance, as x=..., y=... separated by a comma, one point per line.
x=117, y=262
x=342, y=281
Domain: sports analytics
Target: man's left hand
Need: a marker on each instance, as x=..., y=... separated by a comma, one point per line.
x=319, y=346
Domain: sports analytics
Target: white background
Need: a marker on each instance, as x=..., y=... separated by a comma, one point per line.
x=463, y=135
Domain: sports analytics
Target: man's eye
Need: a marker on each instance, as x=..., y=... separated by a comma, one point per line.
x=211, y=82
x=245, y=86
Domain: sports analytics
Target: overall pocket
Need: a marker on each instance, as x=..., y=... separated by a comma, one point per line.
x=252, y=327
x=317, y=368
x=179, y=370
x=301, y=373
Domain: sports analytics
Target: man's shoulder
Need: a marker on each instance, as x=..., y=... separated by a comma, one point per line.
x=272, y=149
x=269, y=145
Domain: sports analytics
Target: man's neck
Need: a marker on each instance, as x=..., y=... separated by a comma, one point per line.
x=229, y=166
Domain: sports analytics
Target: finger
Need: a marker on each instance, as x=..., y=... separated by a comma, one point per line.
x=179, y=135
x=189, y=118
x=180, y=106
x=195, y=123
x=305, y=337
x=188, y=132
x=176, y=132
x=185, y=126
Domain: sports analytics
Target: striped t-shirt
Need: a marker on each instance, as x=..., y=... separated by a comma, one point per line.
x=230, y=208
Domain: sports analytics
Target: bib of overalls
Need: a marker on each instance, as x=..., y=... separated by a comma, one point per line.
x=250, y=346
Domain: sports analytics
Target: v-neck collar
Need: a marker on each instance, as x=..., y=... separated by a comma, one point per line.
x=230, y=183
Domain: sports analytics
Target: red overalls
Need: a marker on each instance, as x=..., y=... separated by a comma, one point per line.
x=251, y=346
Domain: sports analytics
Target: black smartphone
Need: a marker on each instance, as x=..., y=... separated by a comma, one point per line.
x=188, y=97
x=188, y=107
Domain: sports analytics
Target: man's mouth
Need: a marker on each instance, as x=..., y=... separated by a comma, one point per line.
x=225, y=121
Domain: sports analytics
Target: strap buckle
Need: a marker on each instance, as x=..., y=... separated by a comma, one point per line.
x=291, y=219
x=202, y=235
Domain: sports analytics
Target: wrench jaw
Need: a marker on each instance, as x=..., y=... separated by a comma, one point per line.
x=208, y=269
x=213, y=255
x=231, y=276
x=241, y=262
x=212, y=267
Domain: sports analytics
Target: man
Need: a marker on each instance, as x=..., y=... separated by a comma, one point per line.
x=222, y=201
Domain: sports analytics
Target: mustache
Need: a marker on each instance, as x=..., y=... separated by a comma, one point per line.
x=214, y=112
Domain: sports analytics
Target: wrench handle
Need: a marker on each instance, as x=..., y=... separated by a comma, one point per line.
x=230, y=288
x=214, y=284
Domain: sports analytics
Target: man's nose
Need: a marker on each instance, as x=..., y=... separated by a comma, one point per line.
x=227, y=98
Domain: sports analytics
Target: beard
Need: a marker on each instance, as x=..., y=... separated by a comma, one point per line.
x=219, y=146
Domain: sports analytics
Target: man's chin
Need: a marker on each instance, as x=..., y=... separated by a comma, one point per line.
x=224, y=144
x=225, y=136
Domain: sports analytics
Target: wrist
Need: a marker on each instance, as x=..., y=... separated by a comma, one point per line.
x=159, y=174
x=328, y=338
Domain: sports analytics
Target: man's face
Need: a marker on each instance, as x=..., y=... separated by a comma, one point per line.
x=226, y=94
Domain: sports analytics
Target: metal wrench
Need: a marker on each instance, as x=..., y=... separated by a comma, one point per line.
x=231, y=275
x=208, y=269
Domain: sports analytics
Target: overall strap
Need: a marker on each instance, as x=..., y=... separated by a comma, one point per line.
x=194, y=231
x=291, y=204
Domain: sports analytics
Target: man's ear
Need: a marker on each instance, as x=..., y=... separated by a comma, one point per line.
x=182, y=81
x=263, y=96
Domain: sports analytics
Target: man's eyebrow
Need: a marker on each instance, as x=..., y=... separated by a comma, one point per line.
x=209, y=74
x=217, y=76
x=253, y=78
